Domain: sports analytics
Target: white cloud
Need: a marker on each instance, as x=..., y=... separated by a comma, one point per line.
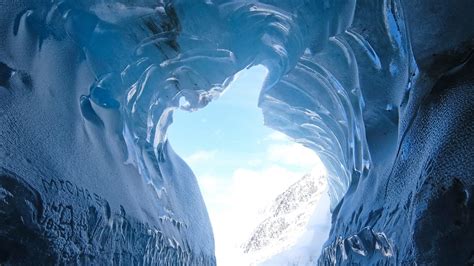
x=254, y=162
x=234, y=205
x=293, y=154
x=234, y=201
x=200, y=156
x=278, y=136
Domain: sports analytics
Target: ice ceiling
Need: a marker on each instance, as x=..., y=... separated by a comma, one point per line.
x=151, y=58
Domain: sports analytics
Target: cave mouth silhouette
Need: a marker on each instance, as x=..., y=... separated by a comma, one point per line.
x=240, y=164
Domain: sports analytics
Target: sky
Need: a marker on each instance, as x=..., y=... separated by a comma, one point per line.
x=240, y=164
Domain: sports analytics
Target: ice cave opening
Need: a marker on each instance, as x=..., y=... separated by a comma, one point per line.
x=266, y=195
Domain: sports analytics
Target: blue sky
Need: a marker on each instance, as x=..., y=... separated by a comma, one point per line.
x=240, y=164
x=231, y=126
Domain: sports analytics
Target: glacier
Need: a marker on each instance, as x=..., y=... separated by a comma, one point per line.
x=381, y=90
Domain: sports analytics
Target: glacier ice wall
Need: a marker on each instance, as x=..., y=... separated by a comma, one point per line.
x=381, y=90
x=77, y=185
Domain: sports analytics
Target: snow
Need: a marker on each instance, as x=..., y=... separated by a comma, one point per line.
x=293, y=229
x=309, y=246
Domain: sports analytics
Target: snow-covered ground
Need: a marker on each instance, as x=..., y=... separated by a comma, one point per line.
x=294, y=227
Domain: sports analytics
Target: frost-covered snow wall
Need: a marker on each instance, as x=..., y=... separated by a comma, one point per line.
x=381, y=90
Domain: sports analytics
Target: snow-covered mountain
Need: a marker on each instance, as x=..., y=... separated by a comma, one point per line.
x=285, y=221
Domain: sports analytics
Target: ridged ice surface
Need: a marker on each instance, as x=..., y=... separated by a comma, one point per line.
x=150, y=58
x=173, y=56
x=89, y=88
x=313, y=92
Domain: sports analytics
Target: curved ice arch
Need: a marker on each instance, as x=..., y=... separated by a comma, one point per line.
x=331, y=100
x=151, y=58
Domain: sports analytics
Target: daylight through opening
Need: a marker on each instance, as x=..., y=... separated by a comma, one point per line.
x=266, y=195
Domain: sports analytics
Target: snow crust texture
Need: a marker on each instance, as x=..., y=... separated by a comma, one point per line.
x=285, y=221
x=381, y=90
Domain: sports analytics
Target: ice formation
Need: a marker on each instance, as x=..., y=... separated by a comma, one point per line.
x=381, y=90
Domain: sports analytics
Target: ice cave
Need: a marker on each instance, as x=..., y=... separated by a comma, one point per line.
x=381, y=90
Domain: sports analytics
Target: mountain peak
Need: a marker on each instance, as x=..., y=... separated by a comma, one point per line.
x=286, y=219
